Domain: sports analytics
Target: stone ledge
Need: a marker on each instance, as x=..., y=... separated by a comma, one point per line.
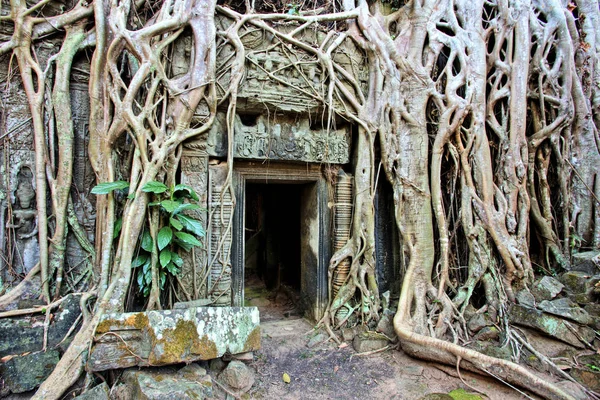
x=157, y=338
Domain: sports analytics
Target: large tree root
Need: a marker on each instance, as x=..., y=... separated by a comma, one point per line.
x=428, y=348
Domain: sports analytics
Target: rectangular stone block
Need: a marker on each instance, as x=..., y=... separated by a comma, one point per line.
x=156, y=338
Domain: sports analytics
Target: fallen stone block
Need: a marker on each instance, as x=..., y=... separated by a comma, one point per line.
x=100, y=392
x=575, y=281
x=156, y=338
x=566, y=308
x=546, y=288
x=551, y=325
x=158, y=385
x=369, y=341
x=588, y=262
x=25, y=373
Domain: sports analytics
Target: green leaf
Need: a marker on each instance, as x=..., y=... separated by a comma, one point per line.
x=183, y=245
x=170, y=205
x=164, y=237
x=146, y=291
x=187, y=238
x=186, y=188
x=146, y=266
x=118, y=226
x=186, y=207
x=140, y=279
x=148, y=277
x=176, y=224
x=163, y=279
x=154, y=187
x=107, y=187
x=176, y=259
x=147, y=242
x=139, y=260
x=165, y=257
x=131, y=196
x=192, y=225
x=172, y=269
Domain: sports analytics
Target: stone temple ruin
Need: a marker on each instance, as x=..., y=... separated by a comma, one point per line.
x=293, y=209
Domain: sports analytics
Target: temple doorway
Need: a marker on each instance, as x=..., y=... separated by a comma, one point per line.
x=281, y=241
x=273, y=249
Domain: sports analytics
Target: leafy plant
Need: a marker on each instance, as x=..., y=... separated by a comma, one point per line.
x=179, y=231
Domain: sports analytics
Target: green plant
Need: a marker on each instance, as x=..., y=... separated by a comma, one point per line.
x=593, y=367
x=179, y=231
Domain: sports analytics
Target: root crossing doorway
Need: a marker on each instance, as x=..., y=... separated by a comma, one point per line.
x=273, y=249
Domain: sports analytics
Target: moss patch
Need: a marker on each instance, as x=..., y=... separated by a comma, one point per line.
x=462, y=394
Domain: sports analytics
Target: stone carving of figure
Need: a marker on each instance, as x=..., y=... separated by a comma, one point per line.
x=24, y=220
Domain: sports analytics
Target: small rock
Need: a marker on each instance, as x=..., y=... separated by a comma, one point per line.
x=478, y=322
x=347, y=334
x=25, y=373
x=488, y=333
x=99, y=392
x=492, y=350
x=316, y=340
x=385, y=300
x=192, y=371
x=574, y=281
x=582, y=298
x=588, y=262
x=525, y=298
x=546, y=288
x=247, y=356
x=565, y=307
x=369, y=341
x=238, y=376
x=217, y=365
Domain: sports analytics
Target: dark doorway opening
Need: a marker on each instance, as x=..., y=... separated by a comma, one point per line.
x=273, y=256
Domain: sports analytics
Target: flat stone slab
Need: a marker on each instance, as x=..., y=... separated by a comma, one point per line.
x=166, y=337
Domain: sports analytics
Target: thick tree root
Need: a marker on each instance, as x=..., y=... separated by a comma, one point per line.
x=428, y=348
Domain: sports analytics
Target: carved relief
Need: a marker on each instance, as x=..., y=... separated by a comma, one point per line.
x=283, y=138
x=194, y=172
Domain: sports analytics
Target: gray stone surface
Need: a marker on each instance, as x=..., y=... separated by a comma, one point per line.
x=524, y=297
x=546, y=288
x=575, y=281
x=192, y=371
x=588, y=262
x=174, y=336
x=369, y=341
x=593, y=309
x=25, y=373
x=566, y=308
x=237, y=376
x=478, y=322
x=217, y=365
x=100, y=392
x=27, y=334
x=488, y=333
x=157, y=385
x=551, y=325
x=386, y=324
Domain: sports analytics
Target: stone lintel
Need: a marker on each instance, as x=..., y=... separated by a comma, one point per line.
x=156, y=338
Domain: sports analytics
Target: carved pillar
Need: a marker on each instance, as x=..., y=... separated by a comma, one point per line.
x=342, y=226
x=220, y=224
x=194, y=172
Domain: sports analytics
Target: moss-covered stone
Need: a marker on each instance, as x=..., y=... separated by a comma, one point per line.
x=462, y=394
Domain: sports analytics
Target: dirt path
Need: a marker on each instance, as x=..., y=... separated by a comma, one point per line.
x=328, y=372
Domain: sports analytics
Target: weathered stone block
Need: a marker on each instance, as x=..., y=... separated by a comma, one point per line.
x=549, y=324
x=574, y=281
x=25, y=373
x=174, y=336
x=100, y=392
x=27, y=335
x=369, y=341
x=588, y=262
x=156, y=385
x=546, y=288
x=238, y=376
x=587, y=378
x=478, y=322
x=566, y=308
